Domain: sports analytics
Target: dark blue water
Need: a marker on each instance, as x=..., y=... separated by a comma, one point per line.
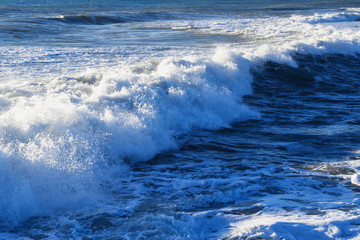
x=180, y=120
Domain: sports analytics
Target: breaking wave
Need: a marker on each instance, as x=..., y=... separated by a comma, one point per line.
x=86, y=124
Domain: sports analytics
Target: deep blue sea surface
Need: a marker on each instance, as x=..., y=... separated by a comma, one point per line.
x=203, y=119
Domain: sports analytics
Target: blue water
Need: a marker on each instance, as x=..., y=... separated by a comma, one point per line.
x=179, y=120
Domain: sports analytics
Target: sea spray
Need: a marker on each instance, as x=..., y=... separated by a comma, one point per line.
x=59, y=146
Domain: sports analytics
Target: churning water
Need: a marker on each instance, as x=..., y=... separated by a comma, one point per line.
x=181, y=120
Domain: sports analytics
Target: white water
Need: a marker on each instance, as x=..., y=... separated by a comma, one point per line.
x=69, y=117
x=64, y=130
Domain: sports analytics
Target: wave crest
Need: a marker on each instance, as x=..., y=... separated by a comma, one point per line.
x=89, y=19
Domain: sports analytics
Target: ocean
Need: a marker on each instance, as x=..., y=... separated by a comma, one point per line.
x=202, y=119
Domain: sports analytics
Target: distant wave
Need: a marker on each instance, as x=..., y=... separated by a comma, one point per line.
x=88, y=19
x=349, y=15
x=103, y=19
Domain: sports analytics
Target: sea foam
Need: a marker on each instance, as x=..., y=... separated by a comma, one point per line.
x=62, y=137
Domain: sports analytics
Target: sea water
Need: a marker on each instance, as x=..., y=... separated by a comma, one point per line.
x=179, y=119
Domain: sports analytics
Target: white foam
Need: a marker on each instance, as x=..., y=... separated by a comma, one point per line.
x=347, y=15
x=335, y=224
x=276, y=38
x=355, y=179
x=64, y=130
